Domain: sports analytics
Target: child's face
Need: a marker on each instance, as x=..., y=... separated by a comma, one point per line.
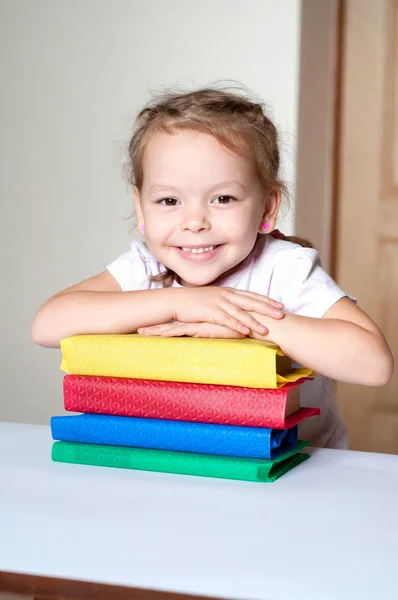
x=201, y=206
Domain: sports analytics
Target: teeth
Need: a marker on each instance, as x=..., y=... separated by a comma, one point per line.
x=198, y=250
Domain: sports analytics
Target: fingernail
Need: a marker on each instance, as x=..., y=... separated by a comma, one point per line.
x=263, y=329
x=278, y=313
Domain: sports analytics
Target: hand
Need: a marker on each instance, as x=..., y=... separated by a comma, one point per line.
x=179, y=329
x=224, y=306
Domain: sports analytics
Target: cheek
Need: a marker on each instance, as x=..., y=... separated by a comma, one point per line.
x=242, y=224
x=157, y=227
x=244, y=230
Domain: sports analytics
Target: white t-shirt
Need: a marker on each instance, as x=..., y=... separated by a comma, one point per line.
x=280, y=270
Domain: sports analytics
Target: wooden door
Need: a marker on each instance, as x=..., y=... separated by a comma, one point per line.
x=366, y=222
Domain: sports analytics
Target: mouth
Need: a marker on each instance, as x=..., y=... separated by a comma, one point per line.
x=198, y=252
x=198, y=249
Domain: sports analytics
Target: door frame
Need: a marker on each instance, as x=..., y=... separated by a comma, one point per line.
x=321, y=38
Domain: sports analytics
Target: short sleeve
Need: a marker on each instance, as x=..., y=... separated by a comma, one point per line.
x=132, y=270
x=303, y=285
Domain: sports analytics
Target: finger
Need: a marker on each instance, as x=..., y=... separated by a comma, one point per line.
x=145, y=330
x=153, y=329
x=263, y=307
x=158, y=326
x=148, y=331
x=247, y=320
x=224, y=333
x=242, y=324
x=258, y=297
x=203, y=330
x=214, y=330
x=178, y=331
x=255, y=295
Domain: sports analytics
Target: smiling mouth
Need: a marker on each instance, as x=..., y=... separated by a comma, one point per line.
x=198, y=249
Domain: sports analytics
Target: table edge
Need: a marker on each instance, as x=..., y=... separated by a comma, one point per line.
x=54, y=587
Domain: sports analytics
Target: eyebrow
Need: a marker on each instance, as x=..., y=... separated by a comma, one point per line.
x=159, y=187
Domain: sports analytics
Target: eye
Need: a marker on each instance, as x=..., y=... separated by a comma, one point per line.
x=224, y=200
x=168, y=201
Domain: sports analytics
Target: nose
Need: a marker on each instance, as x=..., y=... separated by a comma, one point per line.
x=195, y=220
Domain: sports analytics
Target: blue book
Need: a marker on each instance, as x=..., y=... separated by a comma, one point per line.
x=203, y=438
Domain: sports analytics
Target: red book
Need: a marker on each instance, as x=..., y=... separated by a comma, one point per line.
x=194, y=402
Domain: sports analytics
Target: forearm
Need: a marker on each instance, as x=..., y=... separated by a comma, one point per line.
x=335, y=348
x=85, y=312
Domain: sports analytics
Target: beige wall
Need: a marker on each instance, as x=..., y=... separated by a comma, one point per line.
x=73, y=75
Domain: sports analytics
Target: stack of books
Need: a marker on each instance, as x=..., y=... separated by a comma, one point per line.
x=221, y=408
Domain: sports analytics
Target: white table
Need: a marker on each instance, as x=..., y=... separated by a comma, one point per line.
x=326, y=530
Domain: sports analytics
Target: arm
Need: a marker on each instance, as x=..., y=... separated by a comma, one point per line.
x=98, y=305
x=345, y=344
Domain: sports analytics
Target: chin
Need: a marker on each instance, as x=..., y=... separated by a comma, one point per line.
x=196, y=280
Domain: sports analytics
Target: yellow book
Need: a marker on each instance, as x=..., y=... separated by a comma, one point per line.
x=240, y=362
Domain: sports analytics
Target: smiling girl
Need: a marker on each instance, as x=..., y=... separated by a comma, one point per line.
x=205, y=174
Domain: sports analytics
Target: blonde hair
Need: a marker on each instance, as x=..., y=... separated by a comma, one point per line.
x=237, y=122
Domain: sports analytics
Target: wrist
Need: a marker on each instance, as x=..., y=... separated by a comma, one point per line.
x=275, y=328
x=171, y=298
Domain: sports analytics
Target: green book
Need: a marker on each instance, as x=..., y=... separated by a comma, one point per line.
x=184, y=463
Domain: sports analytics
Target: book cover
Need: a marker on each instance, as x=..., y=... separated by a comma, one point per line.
x=239, y=362
x=203, y=403
x=203, y=465
x=224, y=440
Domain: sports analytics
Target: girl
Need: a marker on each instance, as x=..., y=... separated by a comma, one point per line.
x=204, y=166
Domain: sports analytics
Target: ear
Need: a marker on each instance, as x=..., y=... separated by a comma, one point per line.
x=138, y=207
x=271, y=209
